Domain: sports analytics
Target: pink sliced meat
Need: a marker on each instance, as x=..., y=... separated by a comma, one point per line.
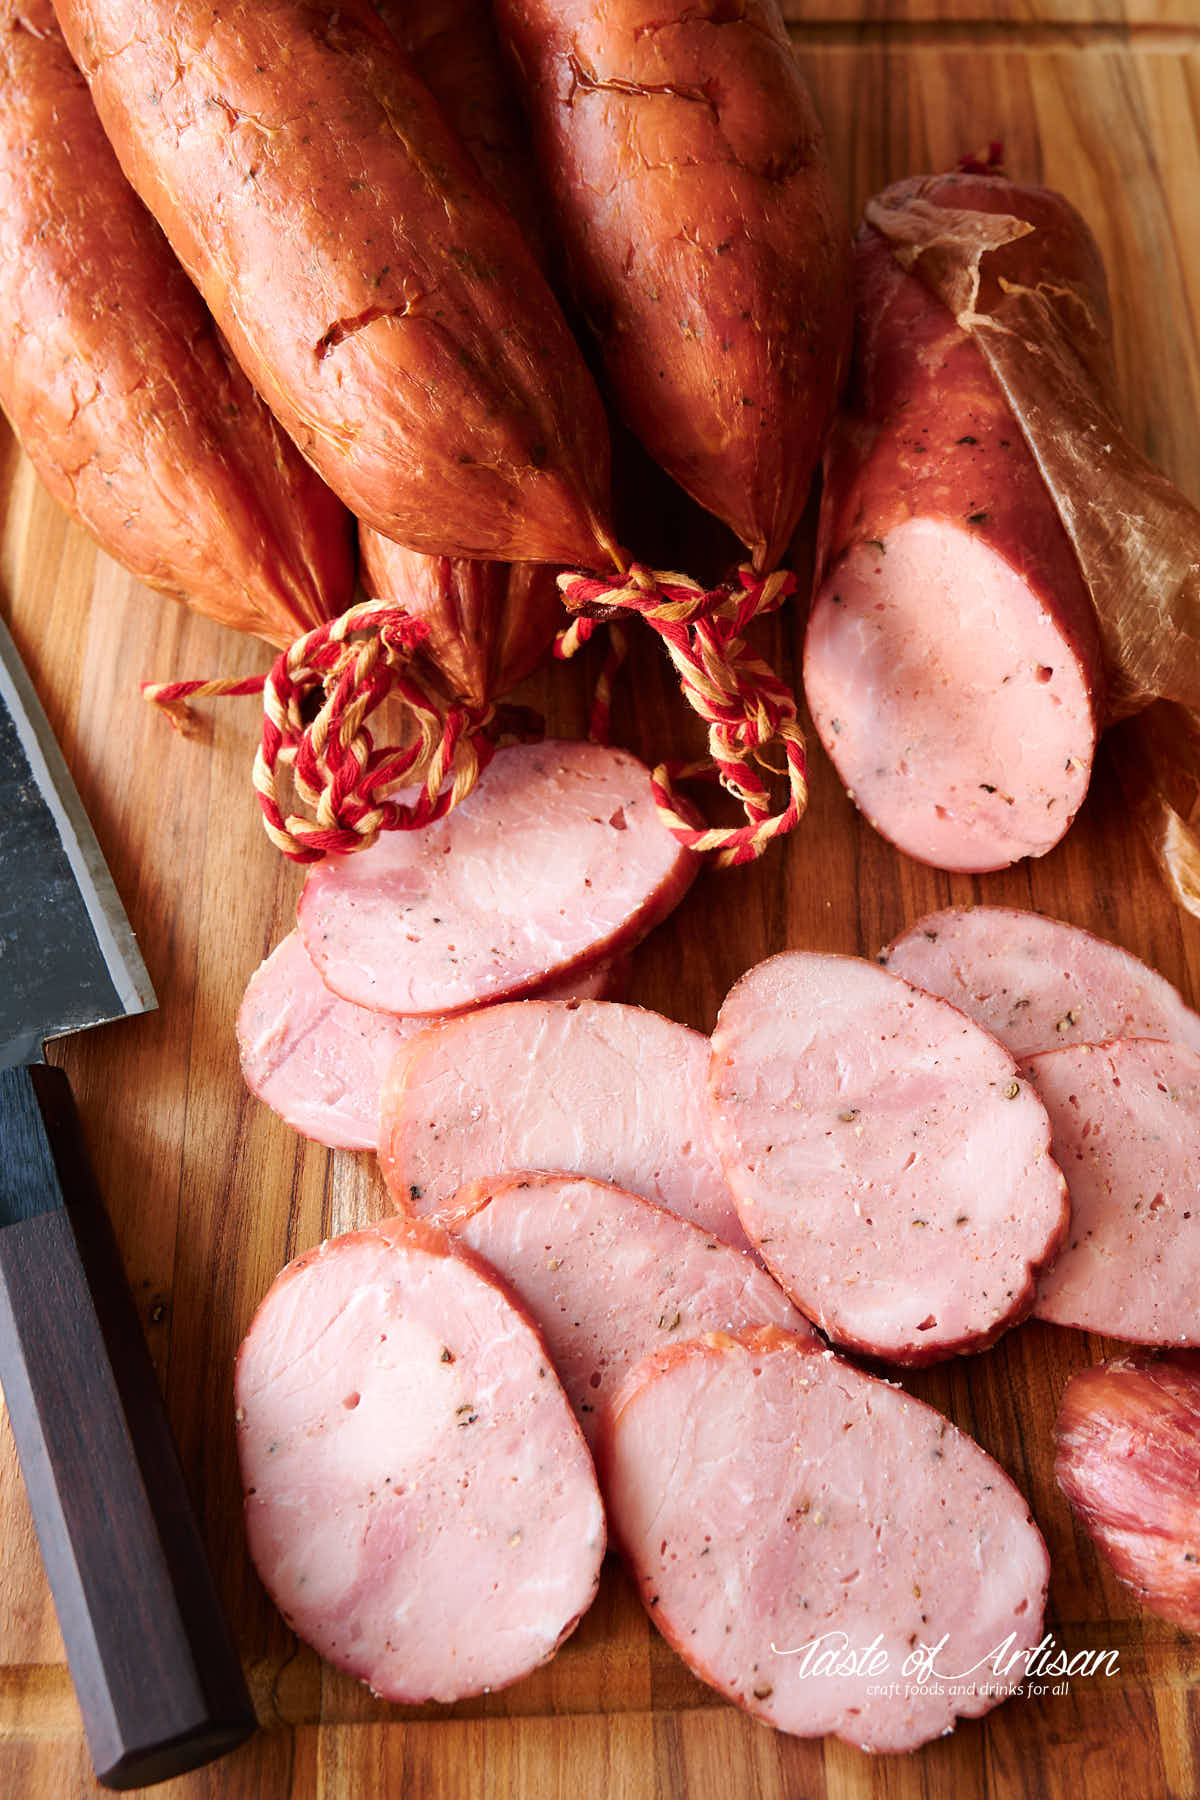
x=594, y=1088
x=557, y=860
x=888, y=1161
x=320, y=1062
x=608, y=1277
x=1126, y=1120
x=783, y=1512
x=420, y=1503
x=608, y=980
x=949, y=699
x=1036, y=983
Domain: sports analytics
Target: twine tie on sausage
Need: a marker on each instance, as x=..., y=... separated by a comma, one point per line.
x=354, y=662
x=572, y=638
x=745, y=705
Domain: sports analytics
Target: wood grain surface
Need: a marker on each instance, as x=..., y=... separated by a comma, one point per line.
x=210, y=1194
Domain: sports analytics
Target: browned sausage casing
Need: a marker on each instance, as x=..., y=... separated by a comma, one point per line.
x=706, y=242
x=382, y=303
x=456, y=52
x=489, y=623
x=119, y=386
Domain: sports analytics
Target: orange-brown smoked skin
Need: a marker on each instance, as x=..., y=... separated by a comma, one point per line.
x=927, y=432
x=382, y=303
x=456, y=53
x=705, y=240
x=489, y=623
x=1128, y=1460
x=117, y=382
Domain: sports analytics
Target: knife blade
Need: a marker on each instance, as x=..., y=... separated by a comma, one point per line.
x=155, y=1670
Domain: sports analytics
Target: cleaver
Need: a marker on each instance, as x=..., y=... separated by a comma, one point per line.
x=158, y=1680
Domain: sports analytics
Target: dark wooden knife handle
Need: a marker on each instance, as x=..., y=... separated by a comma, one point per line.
x=158, y=1680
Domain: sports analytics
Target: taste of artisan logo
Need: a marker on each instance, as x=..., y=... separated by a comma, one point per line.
x=1040, y=1668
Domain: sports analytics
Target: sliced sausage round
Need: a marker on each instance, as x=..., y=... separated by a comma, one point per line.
x=608, y=1277
x=588, y=1088
x=557, y=859
x=888, y=1161
x=320, y=1062
x=948, y=699
x=827, y=1552
x=420, y=1503
x=1126, y=1120
x=1036, y=983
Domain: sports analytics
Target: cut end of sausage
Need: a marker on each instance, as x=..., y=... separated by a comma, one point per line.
x=954, y=708
x=556, y=860
x=888, y=1162
x=420, y=1503
x=591, y=1088
x=1126, y=1121
x=608, y=1277
x=1036, y=983
x=797, y=1529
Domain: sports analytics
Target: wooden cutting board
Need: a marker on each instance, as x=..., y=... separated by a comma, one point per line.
x=210, y=1194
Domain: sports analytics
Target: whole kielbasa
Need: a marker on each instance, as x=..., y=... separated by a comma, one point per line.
x=119, y=387
x=381, y=301
x=705, y=239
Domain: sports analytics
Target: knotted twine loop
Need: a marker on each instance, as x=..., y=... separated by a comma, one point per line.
x=335, y=766
x=357, y=660
x=572, y=638
x=745, y=705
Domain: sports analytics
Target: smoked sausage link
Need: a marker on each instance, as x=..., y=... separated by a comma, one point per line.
x=1128, y=1446
x=120, y=389
x=489, y=623
x=704, y=237
x=384, y=305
